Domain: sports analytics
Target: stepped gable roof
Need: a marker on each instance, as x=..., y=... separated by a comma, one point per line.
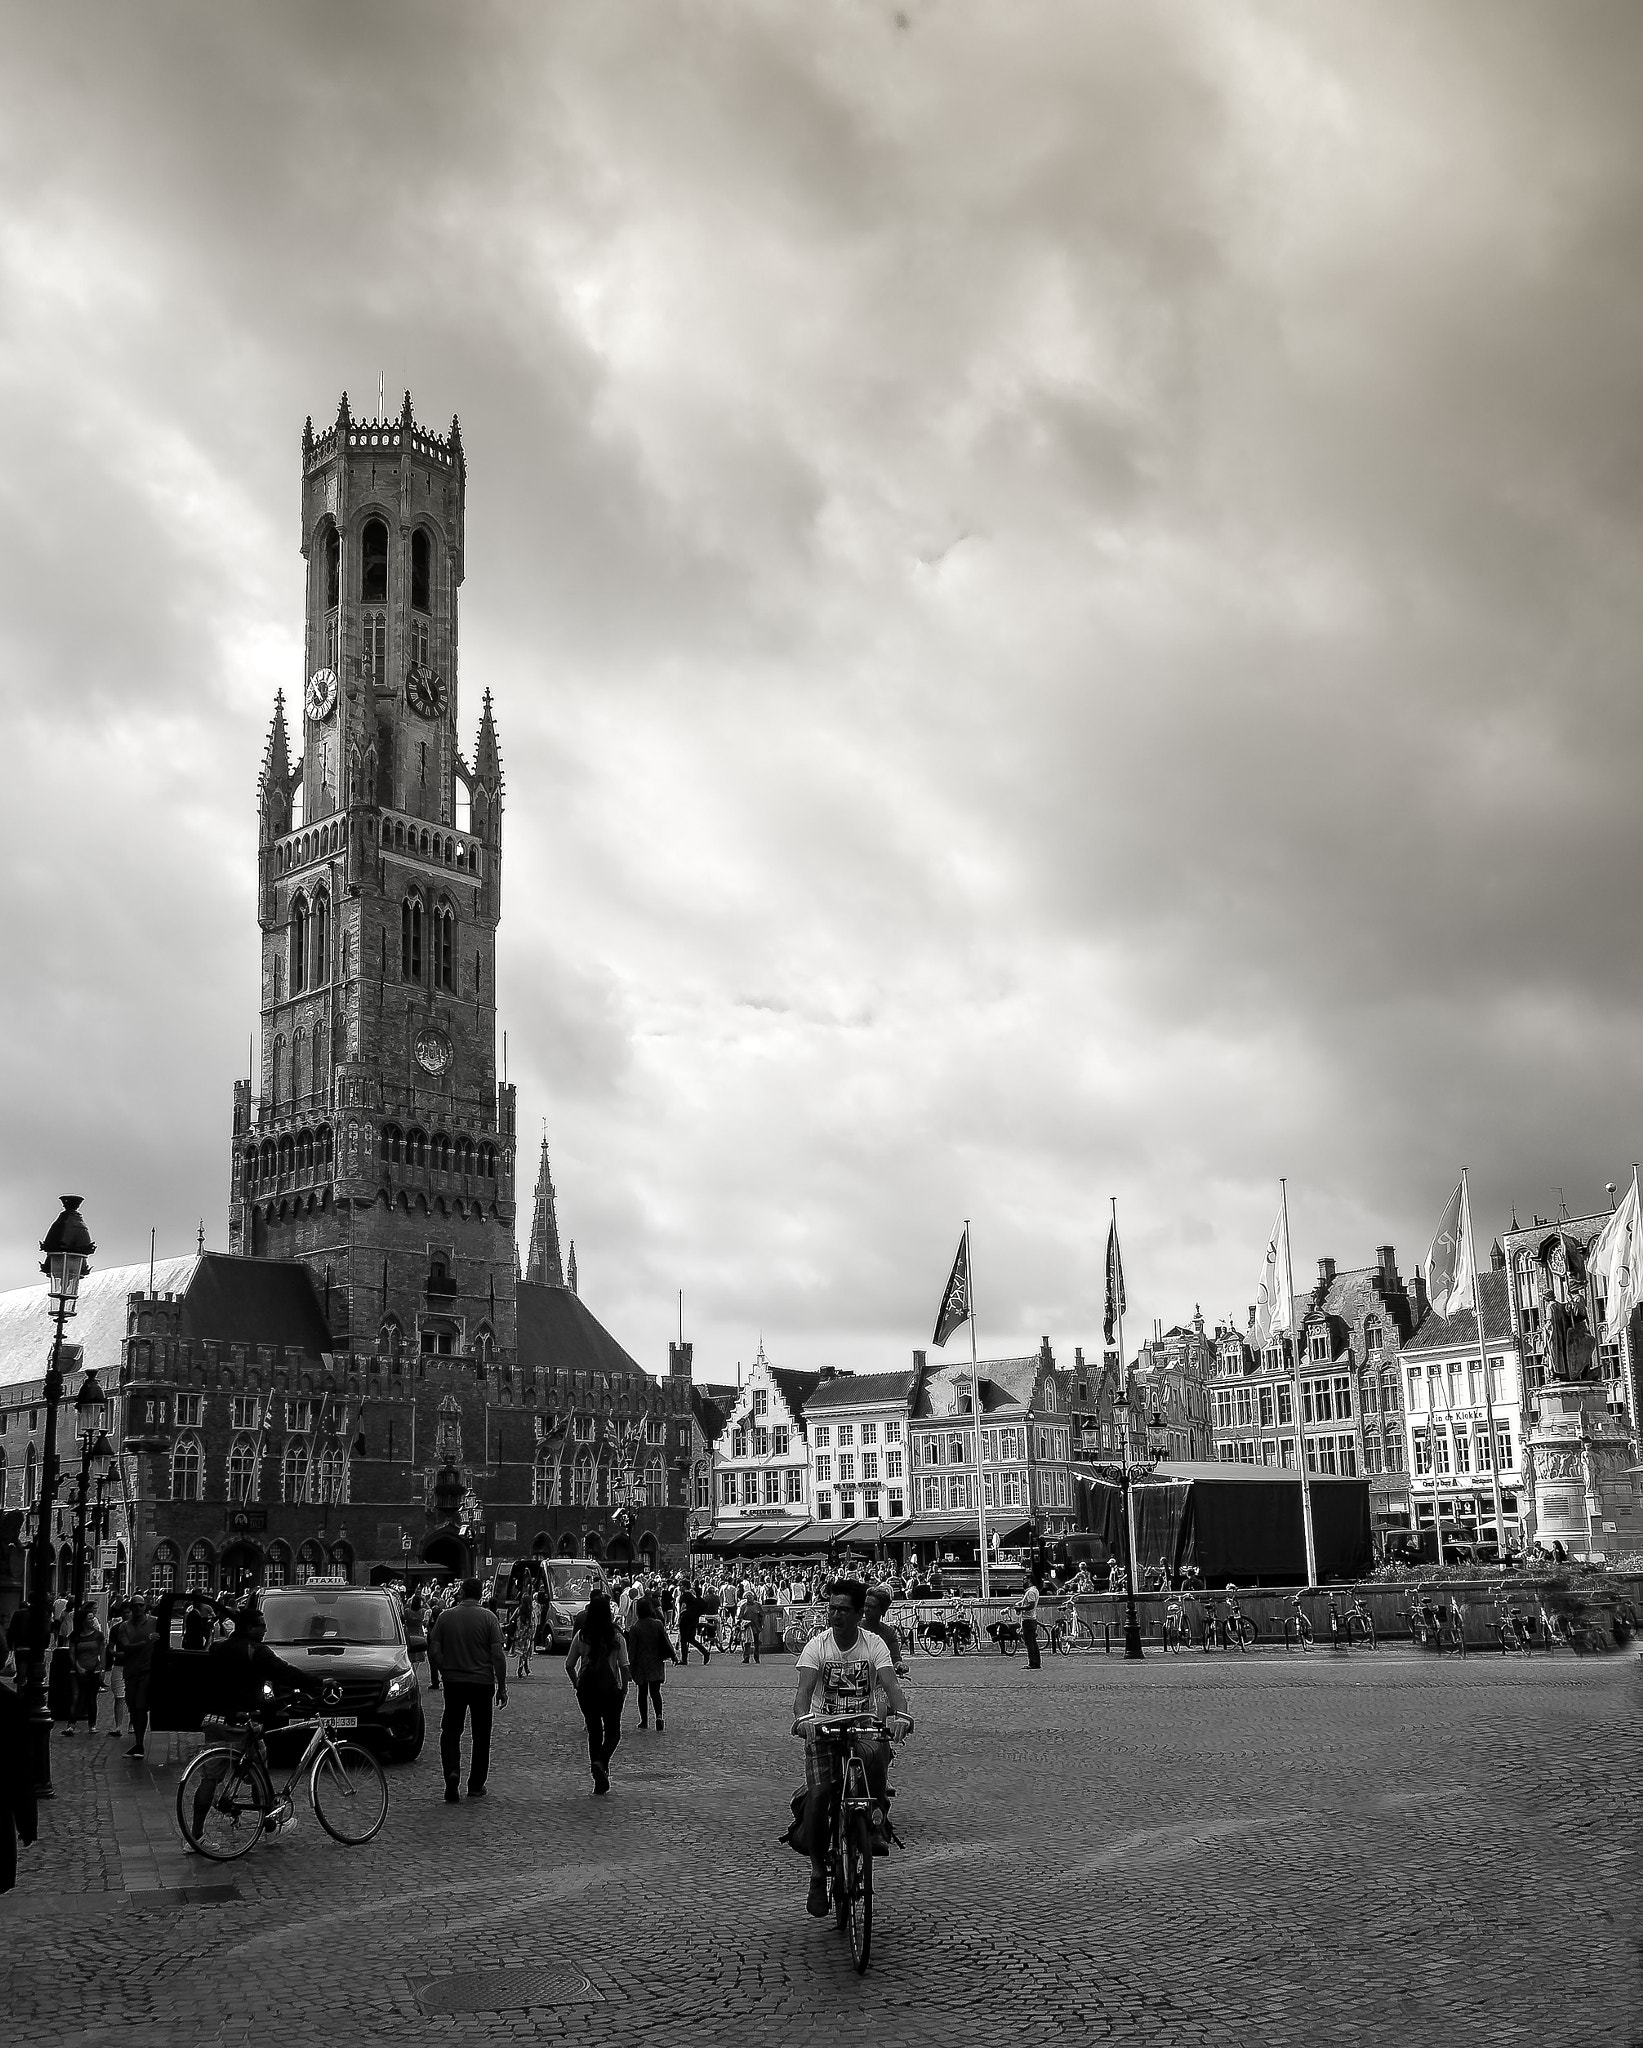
x=1460, y=1333
x=858, y=1389
x=226, y=1300
x=558, y=1332
x=1005, y=1383
x=795, y=1388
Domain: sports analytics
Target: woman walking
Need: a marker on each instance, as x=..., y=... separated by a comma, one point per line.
x=650, y=1652
x=598, y=1668
x=90, y=1653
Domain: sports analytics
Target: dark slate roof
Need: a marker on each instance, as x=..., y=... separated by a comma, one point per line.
x=255, y=1301
x=1453, y=1333
x=795, y=1388
x=853, y=1389
x=1005, y=1383
x=711, y=1414
x=558, y=1333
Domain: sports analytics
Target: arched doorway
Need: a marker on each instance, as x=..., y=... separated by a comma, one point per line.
x=591, y=1546
x=619, y=1550
x=567, y=1545
x=342, y=1561
x=450, y=1552
x=648, y=1552
x=242, y=1567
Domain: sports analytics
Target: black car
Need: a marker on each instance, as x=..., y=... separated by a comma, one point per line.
x=348, y=1643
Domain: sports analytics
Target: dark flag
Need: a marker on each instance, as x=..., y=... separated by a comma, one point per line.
x=1116, y=1303
x=955, y=1303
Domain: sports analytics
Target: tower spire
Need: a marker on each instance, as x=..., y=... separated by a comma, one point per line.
x=570, y=1270
x=544, y=1265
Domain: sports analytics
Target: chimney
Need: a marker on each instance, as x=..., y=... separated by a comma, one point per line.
x=1387, y=1259
x=1252, y=1315
x=1417, y=1293
x=1326, y=1270
x=678, y=1360
x=1045, y=1355
x=918, y=1361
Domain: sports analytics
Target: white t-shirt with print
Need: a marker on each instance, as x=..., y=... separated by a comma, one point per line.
x=849, y=1678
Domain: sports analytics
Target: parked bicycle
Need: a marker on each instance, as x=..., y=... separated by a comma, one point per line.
x=1297, y=1627
x=226, y=1798
x=1178, y=1613
x=1511, y=1628
x=1232, y=1629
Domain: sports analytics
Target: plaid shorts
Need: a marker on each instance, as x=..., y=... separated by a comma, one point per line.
x=824, y=1755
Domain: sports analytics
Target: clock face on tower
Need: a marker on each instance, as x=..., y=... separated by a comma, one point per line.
x=425, y=690
x=433, y=1051
x=321, y=694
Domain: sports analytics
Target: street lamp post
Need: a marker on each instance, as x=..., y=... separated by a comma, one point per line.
x=68, y=1248
x=1124, y=1476
x=96, y=1456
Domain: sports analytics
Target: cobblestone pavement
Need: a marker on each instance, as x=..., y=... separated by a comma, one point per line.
x=1200, y=1849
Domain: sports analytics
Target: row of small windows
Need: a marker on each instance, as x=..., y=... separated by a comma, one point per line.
x=589, y=1483
x=373, y=566
x=436, y=846
x=444, y=1154
x=312, y=1561
x=300, y=1152
x=310, y=942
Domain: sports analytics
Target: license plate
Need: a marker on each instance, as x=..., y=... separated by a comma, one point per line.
x=340, y=1720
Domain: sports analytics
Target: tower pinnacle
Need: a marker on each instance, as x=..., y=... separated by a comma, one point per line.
x=544, y=1264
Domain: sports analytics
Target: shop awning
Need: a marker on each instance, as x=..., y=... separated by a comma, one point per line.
x=1002, y=1523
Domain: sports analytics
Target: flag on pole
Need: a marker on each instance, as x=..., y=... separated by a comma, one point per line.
x=1275, y=1297
x=1616, y=1258
x=955, y=1303
x=1449, y=1278
x=1116, y=1304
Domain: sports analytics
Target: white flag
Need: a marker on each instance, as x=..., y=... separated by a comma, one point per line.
x=1449, y=1280
x=1616, y=1258
x=1274, y=1301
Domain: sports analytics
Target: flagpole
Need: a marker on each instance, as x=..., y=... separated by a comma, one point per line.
x=975, y=1417
x=1294, y=1337
x=1483, y=1361
x=1124, y=1440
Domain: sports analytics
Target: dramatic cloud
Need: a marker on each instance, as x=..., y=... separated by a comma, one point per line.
x=1060, y=586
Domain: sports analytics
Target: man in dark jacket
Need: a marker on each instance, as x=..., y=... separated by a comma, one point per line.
x=690, y=1613
x=17, y=1808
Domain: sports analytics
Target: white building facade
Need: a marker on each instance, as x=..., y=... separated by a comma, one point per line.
x=761, y=1462
x=857, y=1425
x=1456, y=1448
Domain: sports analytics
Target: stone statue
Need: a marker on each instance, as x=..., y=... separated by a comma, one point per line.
x=1567, y=1347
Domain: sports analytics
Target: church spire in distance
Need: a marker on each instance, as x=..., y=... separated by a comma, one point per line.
x=543, y=1265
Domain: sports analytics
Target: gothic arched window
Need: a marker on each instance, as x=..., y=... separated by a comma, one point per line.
x=299, y=945
x=545, y=1480
x=421, y=563
x=31, y=1477
x=485, y=1344
x=410, y=939
x=295, y=1473
x=277, y=1071
x=333, y=568
x=319, y=952
x=389, y=1339
x=296, y=1064
x=373, y=563
x=332, y=1474
x=655, y=1494
x=444, y=946
x=374, y=645
x=187, y=1469
x=241, y=1469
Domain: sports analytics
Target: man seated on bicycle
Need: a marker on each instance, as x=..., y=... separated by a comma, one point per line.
x=854, y=1671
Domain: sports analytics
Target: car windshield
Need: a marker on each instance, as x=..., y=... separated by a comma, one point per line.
x=326, y=1617
x=572, y=1582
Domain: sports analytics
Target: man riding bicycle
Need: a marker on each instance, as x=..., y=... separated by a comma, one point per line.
x=856, y=1675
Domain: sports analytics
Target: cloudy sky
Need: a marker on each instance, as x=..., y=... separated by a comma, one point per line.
x=1060, y=584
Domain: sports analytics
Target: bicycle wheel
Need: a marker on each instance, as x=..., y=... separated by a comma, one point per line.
x=1247, y=1633
x=220, y=1804
x=858, y=1881
x=349, y=1792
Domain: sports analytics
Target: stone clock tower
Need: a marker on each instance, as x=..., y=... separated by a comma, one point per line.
x=374, y=1143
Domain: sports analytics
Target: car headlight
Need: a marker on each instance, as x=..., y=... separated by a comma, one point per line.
x=400, y=1684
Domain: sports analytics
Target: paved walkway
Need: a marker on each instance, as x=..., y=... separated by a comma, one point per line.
x=1198, y=1849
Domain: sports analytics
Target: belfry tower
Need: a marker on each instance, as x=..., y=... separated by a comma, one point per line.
x=374, y=1142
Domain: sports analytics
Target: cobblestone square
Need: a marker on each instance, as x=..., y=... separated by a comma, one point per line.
x=1201, y=1849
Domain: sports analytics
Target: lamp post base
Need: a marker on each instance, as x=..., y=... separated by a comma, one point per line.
x=1132, y=1642
x=39, y=1717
